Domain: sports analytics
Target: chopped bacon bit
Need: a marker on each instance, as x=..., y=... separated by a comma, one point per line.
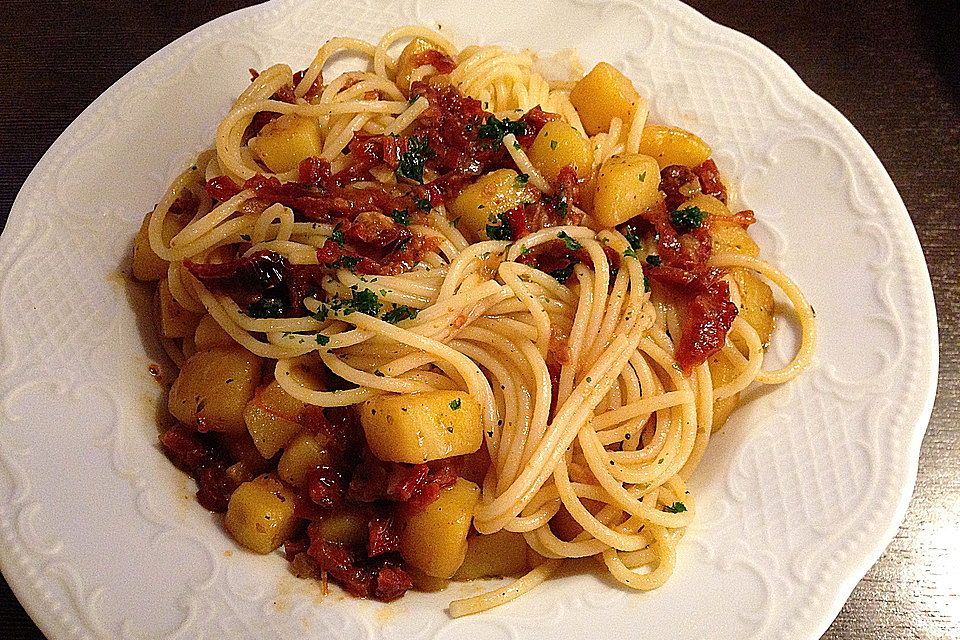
x=439, y=60
x=710, y=183
x=222, y=188
x=706, y=321
x=672, y=178
x=383, y=536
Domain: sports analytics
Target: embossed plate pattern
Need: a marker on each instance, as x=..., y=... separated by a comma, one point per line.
x=99, y=535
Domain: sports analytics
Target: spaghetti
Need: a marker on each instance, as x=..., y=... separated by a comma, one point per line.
x=403, y=229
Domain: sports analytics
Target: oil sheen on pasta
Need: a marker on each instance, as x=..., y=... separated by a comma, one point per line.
x=445, y=318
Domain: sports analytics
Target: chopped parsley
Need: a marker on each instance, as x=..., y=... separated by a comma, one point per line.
x=244, y=236
x=411, y=162
x=687, y=219
x=347, y=262
x=654, y=261
x=516, y=145
x=322, y=340
x=266, y=308
x=400, y=312
x=455, y=404
x=676, y=507
x=423, y=204
x=337, y=235
x=646, y=284
x=521, y=180
x=401, y=216
x=500, y=231
x=643, y=176
x=630, y=253
x=494, y=129
x=563, y=273
x=553, y=144
x=363, y=301
x=320, y=315
x=524, y=251
x=413, y=98
x=632, y=238
x=570, y=243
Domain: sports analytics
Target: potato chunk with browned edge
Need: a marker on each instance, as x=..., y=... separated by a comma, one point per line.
x=271, y=418
x=435, y=540
x=627, y=185
x=214, y=387
x=260, y=514
x=559, y=145
x=503, y=553
x=492, y=194
x=602, y=95
x=420, y=427
x=284, y=143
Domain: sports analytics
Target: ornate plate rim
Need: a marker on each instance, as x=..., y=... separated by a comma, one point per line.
x=55, y=626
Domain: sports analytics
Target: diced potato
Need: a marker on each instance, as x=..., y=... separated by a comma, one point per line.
x=730, y=237
x=260, y=514
x=271, y=418
x=210, y=334
x=405, y=62
x=248, y=458
x=148, y=266
x=175, y=321
x=673, y=145
x=503, y=553
x=416, y=428
x=756, y=302
x=493, y=194
x=559, y=145
x=347, y=526
x=722, y=371
x=627, y=184
x=435, y=540
x=304, y=453
x=424, y=582
x=285, y=142
x=602, y=95
x=214, y=387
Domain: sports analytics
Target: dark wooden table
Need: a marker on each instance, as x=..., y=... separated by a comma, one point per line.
x=891, y=66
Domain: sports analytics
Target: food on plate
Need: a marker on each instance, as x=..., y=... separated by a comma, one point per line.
x=442, y=318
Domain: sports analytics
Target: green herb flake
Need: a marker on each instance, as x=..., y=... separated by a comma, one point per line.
x=643, y=176
x=553, y=144
x=646, y=284
x=687, y=219
x=521, y=180
x=500, y=231
x=400, y=312
x=630, y=253
x=570, y=243
x=337, y=235
x=423, y=204
x=322, y=340
x=654, y=261
x=266, y=308
x=411, y=163
x=244, y=236
x=524, y=251
x=635, y=242
x=455, y=404
x=516, y=145
x=676, y=507
x=401, y=216
x=494, y=129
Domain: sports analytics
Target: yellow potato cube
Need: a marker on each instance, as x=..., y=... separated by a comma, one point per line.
x=213, y=388
x=210, y=334
x=673, y=145
x=347, y=526
x=493, y=194
x=260, y=514
x=559, y=145
x=627, y=184
x=284, y=143
x=416, y=428
x=147, y=265
x=503, y=553
x=424, y=582
x=756, y=302
x=405, y=64
x=304, y=453
x=730, y=237
x=722, y=372
x=175, y=321
x=435, y=540
x=271, y=418
x=602, y=95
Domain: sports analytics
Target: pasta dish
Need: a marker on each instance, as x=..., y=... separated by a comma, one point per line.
x=455, y=314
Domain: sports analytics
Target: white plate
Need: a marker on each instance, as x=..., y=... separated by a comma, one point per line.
x=100, y=536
